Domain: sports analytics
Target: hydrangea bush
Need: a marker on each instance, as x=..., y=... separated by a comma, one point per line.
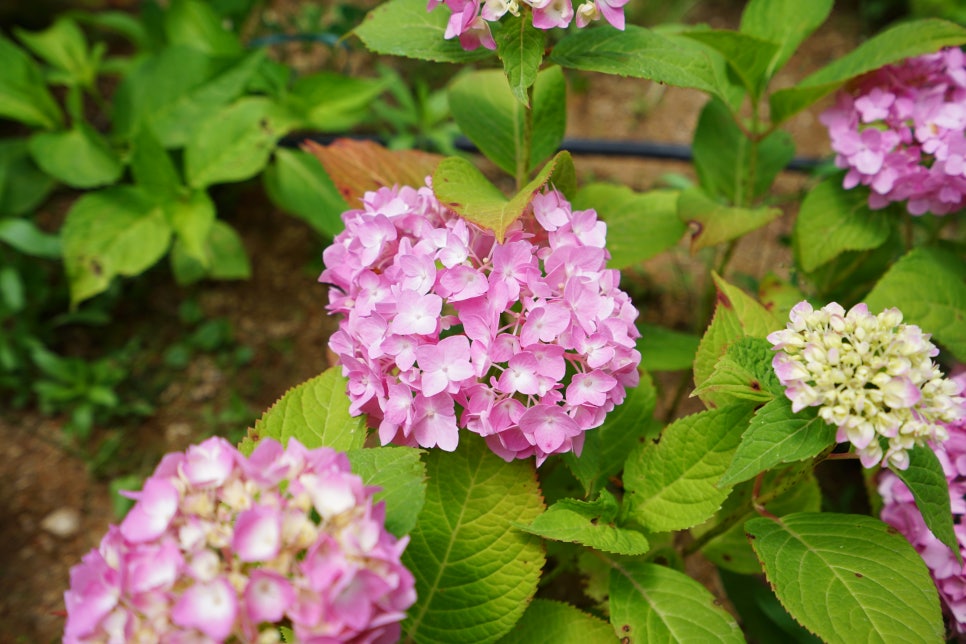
x=498, y=385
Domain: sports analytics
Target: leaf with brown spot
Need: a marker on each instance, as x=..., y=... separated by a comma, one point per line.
x=357, y=167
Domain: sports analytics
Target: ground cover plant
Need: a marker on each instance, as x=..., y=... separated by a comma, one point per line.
x=493, y=383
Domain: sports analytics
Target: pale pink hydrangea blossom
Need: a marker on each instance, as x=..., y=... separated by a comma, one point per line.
x=528, y=343
x=871, y=376
x=219, y=547
x=900, y=511
x=899, y=131
x=470, y=20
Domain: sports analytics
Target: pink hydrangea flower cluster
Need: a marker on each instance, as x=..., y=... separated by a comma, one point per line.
x=219, y=546
x=872, y=376
x=529, y=342
x=899, y=130
x=470, y=19
x=899, y=510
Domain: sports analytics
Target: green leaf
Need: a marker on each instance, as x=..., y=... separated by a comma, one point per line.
x=724, y=161
x=712, y=223
x=939, y=309
x=63, y=46
x=315, y=413
x=235, y=142
x=192, y=217
x=11, y=290
x=79, y=157
x=405, y=28
x=672, y=485
x=331, y=102
x=761, y=615
x=833, y=220
x=490, y=116
x=905, y=40
x=778, y=435
x=749, y=56
x=666, y=350
x=298, y=184
x=606, y=447
x=520, y=46
x=651, y=603
x=462, y=187
x=787, y=22
x=193, y=23
x=400, y=473
x=474, y=572
x=848, y=578
x=151, y=165
x=926, y=480
x=23, y=186
x=225, y=257
x=28, y=239
x=23, y=93
x=743, y=373
x=590, y=524
x=639, y=224
x=551, y=622
x=116, y=231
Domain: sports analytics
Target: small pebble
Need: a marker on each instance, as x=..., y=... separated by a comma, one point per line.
x=63, y=522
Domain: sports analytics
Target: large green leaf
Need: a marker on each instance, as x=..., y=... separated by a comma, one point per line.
x=786, y=22
x=331, y=102
x=152, y=166
x=673, y=484
x=520, y=46
x=833, y=220
x=551, y=622
x=298, y=184
x=651, y=603
x=23, y=186
x=749, y=56
x=926, y=480
x=28, y=239
x=905, y=40
x=193, y=23
x=475, y=573
x=315, y=413
x=712, y=223
x=405, y=28
x=939, y=309
x=192, y=217
x=664, y=349
x=64, y=46
x=23, y=94
x=639, y=224
x=848, y=578
x=117, y=231
x=224, y=257
x=743, y=373
x=80, y=157
x=400, y=472
x=490, y=116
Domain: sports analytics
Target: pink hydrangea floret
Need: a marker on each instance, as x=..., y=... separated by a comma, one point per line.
x=899, y=131
x=470, y=20
x=528, y=343
x=900, y=511
x=223, y=547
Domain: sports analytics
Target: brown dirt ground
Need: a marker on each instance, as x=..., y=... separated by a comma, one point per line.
x=279, y=314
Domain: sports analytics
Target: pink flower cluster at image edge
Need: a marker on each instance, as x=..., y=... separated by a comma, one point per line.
x=528, y=343
x=470, y=19
x=221, y=546
x=899, y=131
x=900, y=511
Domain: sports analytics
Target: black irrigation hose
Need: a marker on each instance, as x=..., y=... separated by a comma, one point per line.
x=595, y=147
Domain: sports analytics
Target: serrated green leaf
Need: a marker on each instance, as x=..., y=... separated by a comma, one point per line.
x=400, y=472
x=551, y=622
x=905, y=40
x=116, y=231
x=787, y=22
x=405, y=28
x=192, y=217
x=848, y=578
x=723, y=157
x=28, y=239
x=939, y=309
x=79, y=157
x=606, y=447
x=489, y=115
x=833, y=220
x=640, y=225
x=193, y=23
x=761, y=615
x=151, y=165
x=743, y=373
x=590, y=524
x=63, y=46
x=23, y=93
x=749, y=56
x=315, y=413
x=474, y=572
x=297, y=183
x=665, y=349
x=23, y=186
x=926, y=480
x=713, y=223
x=460, y=186
x=651, y=603
x=672, y=485
x=520, y=47
x=777, y=435
x=331, y=102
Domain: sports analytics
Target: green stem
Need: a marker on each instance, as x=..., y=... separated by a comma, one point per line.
x=524, y=148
